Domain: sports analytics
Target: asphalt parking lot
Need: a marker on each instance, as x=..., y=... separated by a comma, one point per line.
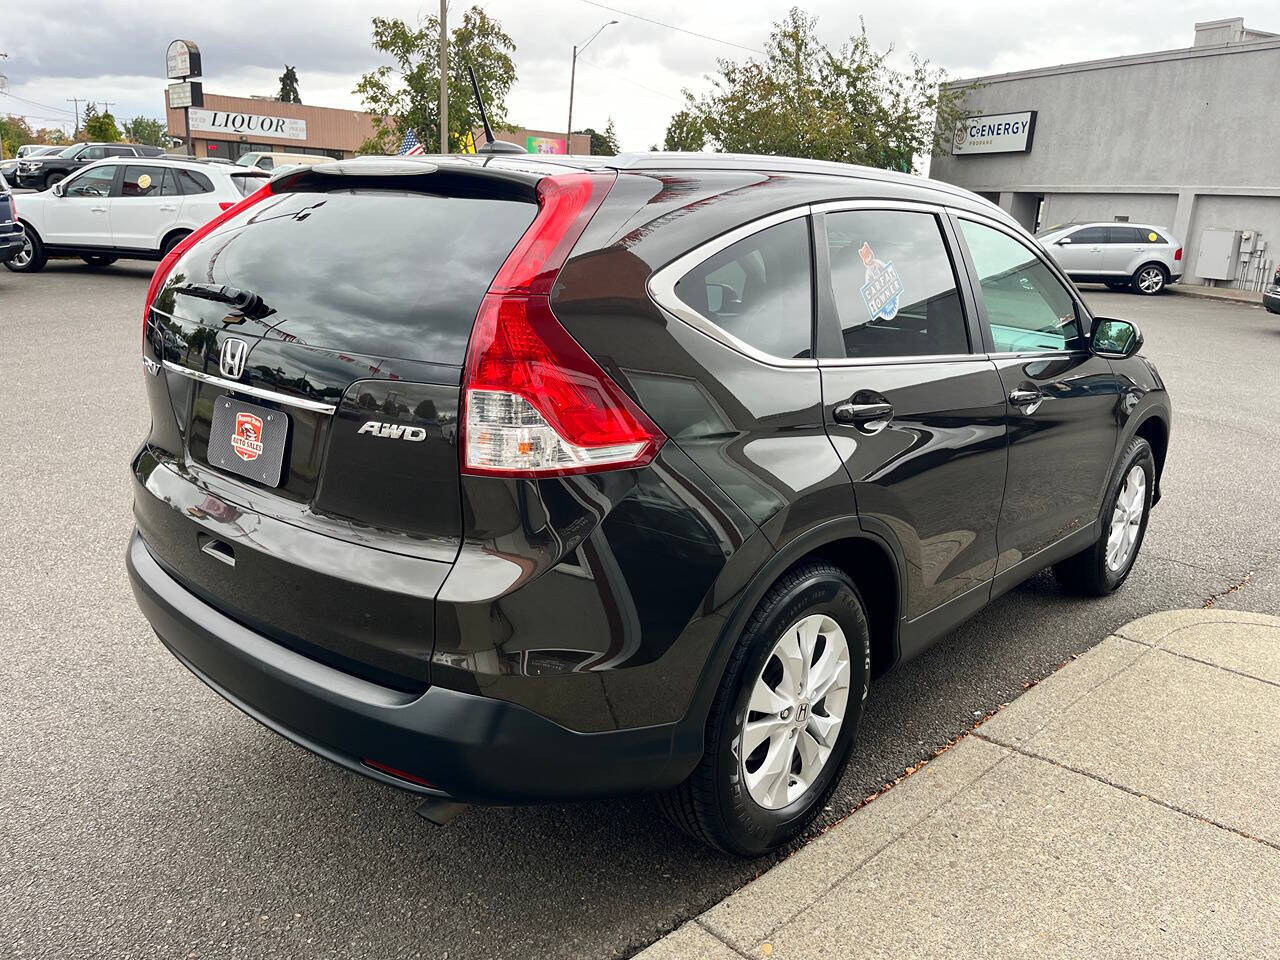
x=141, y=816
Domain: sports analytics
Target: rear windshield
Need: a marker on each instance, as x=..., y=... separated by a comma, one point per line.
x=375, y=272
x=247, y=183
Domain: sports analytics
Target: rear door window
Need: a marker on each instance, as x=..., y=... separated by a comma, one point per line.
x=1028, y=308
x=1089, y=235
x=142, y=181
x=759, y=290
x=1125, y=235
x=894, y=285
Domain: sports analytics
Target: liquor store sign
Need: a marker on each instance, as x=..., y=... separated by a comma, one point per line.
x=230, y=124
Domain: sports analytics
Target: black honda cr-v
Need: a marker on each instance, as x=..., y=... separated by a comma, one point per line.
x=505, y=480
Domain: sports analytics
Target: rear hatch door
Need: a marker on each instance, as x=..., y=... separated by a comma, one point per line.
x=312, y=350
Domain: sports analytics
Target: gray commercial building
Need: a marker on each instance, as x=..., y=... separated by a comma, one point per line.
x=1181, y=138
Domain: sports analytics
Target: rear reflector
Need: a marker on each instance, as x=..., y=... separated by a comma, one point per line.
x=226, y=204
x=536, y=403
x=190, y=240
x=398, y=774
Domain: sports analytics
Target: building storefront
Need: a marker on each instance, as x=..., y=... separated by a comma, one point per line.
x=1179, y=138
x=229, y=127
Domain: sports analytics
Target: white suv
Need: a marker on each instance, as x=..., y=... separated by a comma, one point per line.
x=127, y=208
x=1140, y=256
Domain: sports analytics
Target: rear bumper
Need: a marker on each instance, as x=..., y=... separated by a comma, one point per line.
x=1271, y=300
x=10, y=243
x=470, y=748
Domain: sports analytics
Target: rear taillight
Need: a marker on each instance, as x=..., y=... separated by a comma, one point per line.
x=225, y=205
x=1177, y=255
x=536, y=404
x=190, y=240
x=13, y=206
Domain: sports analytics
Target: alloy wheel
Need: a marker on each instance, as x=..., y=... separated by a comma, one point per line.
x=795, y=713
x=23, y=257
x=1126, y=518
x=1150, y=279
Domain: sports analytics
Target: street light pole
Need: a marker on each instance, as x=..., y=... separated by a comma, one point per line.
x=444, y=78
x=573, y=70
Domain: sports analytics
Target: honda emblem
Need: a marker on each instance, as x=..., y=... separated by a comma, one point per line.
x=231, y=360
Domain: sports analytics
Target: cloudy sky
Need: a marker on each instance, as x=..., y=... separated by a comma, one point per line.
x=113, y=50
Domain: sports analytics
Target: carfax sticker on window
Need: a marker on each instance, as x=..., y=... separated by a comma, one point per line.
x=883, y=289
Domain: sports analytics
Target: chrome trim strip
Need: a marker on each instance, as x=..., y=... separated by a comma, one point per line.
x=835, y=206
x=662, y=287
x=922, y=358
x=232, y=385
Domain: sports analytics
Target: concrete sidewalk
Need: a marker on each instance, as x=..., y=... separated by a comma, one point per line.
x=1127, y=806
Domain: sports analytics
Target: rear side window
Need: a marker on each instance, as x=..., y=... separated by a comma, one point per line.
x=760, y=290
x=894, y=285
x=1027, y=306
x=376, y=273
x=192, y=182
x=247, y=184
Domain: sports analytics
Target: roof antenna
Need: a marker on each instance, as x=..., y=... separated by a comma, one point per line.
x=484, y=117
x=491, y=145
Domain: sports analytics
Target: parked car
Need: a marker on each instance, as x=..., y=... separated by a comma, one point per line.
x=270, y=161
x=136, y=209
x=1137, y=256
x=41, y=173
x=1271, y=295
x=11, y=240
x=34, y=150
x=510, y=479
x=9, y=168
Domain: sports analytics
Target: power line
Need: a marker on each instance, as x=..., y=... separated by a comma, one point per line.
x=671, y=26
x=622, y=76
x=35, y=103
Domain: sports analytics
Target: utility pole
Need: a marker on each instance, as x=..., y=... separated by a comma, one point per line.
x=573, y=69
x=444, y=76
x=76, y=100
x=106, y=105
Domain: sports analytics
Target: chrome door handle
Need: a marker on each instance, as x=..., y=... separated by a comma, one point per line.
x=97, y=209
x=862, y=412
x=1026, y=400
x=167, y=209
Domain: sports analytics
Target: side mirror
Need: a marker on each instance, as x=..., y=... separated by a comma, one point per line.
x=1064, y=242
x=1116, y=339
x=59, y=189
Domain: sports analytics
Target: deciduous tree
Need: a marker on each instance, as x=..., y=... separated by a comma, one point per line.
x=804, y=99
x=406, y=96
x=146, y=130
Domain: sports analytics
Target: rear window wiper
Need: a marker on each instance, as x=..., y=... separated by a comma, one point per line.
x=245, y=302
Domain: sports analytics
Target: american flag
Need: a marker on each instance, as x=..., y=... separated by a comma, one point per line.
x=410, y=146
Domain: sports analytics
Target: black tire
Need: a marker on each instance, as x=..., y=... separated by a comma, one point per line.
x=1150, y=279
x=1088, y=572
x=172, y=241
x=53, y=178
x=29, y=260
x=713, y=804
x=98, y=259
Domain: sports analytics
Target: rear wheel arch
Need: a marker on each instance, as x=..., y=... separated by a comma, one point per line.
x=872, y=561
x=26, y=225
x=173, y=238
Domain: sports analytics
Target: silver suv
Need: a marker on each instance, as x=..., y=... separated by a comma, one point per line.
x=1138, y=256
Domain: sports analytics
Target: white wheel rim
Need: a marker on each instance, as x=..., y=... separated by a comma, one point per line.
x=1150, y=280
x=797, y=707
x=1126, y=518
